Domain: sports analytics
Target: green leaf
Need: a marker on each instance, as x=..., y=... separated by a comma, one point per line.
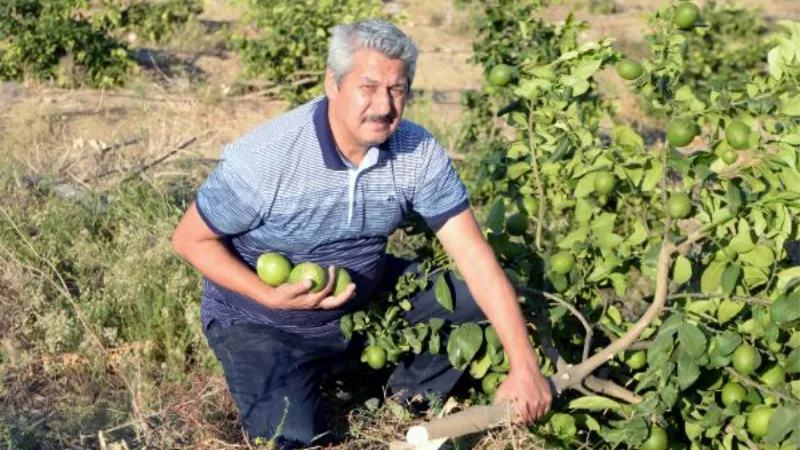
x=728, y=310
x=786, y=308
x=682, y=272
x=594, y=403
x=497, y=214
x=563, y=426
x=793, y=362
x=688, y=371
x=518, y=169
x=791, y=106
x=743, y=242
x=585, y=185
x=734, y=199
x=479, y=367
x=754, y=277
x=660, y=350
x=787, y=275
x=464, y=343
x=761, y=256
x=712, y=277
x=442, y=292
x=639, y=234
x=692, y=339
x=730, y=277
x=652, y=176
x=627, y=137
x=587, y=69
x=785, y=420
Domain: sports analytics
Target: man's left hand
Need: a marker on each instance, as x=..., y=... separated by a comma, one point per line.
x=528, y=391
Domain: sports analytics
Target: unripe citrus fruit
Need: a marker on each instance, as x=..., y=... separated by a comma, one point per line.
x=517, y=224
x=730, y=156
x=657, y=440
x=342, y=280
x=758, y=420
x=562, y=262
x=679, y=206
x=637, y=360
x=500, y=75
x=680, y=132
x=629, y=69
x=273, y=268
x=738, y=135
x=686, y=15
x=376, y=357
x=604, y=182
x=309, y=271
x=774, y=376
x=732, y=393
x=746, y=359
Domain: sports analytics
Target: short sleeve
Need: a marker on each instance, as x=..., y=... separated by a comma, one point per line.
x=229, y=200
x=440, y=194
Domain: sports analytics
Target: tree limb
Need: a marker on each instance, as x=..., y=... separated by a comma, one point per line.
x=587, y=344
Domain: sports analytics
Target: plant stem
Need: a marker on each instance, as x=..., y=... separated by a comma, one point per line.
x=537, y=180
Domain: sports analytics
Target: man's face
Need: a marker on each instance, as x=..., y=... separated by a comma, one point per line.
x=369, y=101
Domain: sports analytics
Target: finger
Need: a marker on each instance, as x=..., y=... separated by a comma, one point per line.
x=299, y=288
x=335, y=302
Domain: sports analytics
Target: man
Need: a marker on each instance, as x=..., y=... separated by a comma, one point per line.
x=328, y=182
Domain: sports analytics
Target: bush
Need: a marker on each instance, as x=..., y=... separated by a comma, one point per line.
x=155, y=21
x=287, y=41
x=53, y=40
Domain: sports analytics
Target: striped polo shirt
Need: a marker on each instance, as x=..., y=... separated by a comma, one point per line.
x=284, y=187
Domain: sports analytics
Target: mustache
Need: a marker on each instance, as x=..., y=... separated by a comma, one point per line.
x=385, y=118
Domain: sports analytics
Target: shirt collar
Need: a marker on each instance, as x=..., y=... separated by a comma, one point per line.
x=330, y=155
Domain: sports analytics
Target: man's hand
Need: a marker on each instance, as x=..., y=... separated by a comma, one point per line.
x=299, y=295
x=528, y=391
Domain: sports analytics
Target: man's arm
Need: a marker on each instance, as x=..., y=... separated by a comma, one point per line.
x=462, y=239
x=196, y=243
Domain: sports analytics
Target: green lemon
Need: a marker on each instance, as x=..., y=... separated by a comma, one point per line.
x=562, y=262
x=376, y=357
x=746, y=359
x=604, y=182
x=730, y=156
x=733, y=393
x=309, y=271
x=342, y=280
x=500, y=75
x=637, y=360
x=517, y=224
x=686, y=15
x=775, y=376
x=273, y=268
x=657, y=440
x=679, y=206
x=758, y=420
x=629, y=69
x=681, y=132
x=738, y=135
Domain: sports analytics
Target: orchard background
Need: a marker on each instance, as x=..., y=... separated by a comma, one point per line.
x=634, y=165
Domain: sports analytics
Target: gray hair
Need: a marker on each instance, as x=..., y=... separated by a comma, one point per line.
x=373, y=34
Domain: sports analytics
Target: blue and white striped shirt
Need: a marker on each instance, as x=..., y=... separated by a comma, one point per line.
x=284, y=187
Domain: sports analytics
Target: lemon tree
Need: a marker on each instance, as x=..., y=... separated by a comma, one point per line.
x=680, y=254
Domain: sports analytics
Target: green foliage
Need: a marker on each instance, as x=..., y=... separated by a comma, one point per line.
x=287, y=41
x=155, y=21
x=731, y=48
x=53, y=40
x=602, y=6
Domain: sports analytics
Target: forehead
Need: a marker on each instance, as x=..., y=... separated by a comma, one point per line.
x=373, y=65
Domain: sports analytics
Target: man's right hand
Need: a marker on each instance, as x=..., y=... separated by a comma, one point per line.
x=299, y=295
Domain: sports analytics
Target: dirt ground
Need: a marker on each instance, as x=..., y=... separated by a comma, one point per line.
x=83, y=134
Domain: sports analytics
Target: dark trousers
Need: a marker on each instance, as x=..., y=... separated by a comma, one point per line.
x=274, y=377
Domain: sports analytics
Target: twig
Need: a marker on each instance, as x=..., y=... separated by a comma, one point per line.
x=696, y=295
x=141, y=169
x=749, y=381
x=537, y=180
x=587, y=344
x=611, y=389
